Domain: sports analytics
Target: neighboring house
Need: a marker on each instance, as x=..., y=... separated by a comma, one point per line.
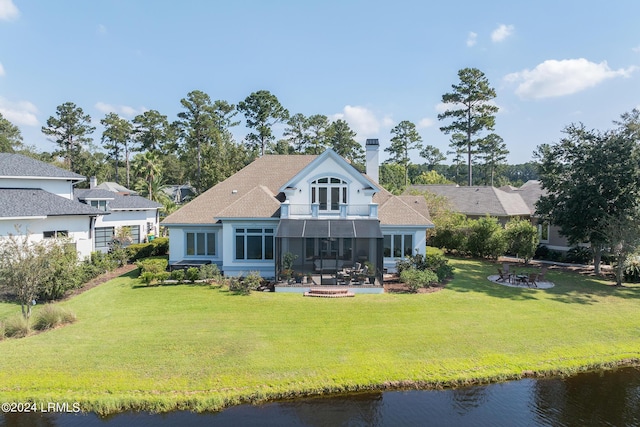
x=317, y=207
x=478, y=201
x=38, y=198
x=179, y=194
x=132, y=215
x=115, y=187
x=504, y=203
x=549, y=234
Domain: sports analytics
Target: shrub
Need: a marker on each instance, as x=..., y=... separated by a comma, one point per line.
x=433, y=261
x=487, y=238
x=209, y=271
x=415, y=279
x=118, y=253
x=579, y=255
x=140, y=250
x=631, y=270
x=147, y=277
x=16, y=327
x=64, y=273
x=160, y=246
x=178, y=275
x=542, y=252
x=522, y=238
x=193, y=273
x=154, y=266
x=52, y=315
x=163, y=276
x=451, y=233
x=245, y=285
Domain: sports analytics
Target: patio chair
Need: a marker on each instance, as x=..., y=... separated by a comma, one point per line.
x=503, y=277
x=531, y=280
x=505, y=268
x=543, y=273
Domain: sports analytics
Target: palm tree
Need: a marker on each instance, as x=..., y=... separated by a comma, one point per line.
x=147, y=167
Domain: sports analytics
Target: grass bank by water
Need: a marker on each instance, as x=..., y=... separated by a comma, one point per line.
x=201, y=348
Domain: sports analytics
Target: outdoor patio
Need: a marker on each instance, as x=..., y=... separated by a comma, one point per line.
x=520, y=284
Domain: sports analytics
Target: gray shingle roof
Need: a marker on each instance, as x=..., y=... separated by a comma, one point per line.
x=531, y=191
x=115, y=187
x=17, y=165
x=19, y=202
x=479, y=201
x=116, y=201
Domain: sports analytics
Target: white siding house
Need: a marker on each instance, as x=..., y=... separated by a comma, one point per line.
x=37, y=198
x=319, y=208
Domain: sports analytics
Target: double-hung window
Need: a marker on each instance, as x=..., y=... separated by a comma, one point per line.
x=254, y=243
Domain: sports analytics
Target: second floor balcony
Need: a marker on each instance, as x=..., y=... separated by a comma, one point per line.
x=317, y=210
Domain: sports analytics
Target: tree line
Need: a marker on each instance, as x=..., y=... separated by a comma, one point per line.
x=198, y=147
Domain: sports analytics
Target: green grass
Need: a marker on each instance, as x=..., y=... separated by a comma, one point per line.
x=197, y=347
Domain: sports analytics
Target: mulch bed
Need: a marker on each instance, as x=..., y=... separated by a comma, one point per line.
x=393, y=285
x=102, y=279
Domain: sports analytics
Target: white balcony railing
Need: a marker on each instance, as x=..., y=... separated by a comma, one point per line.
x=289, y=210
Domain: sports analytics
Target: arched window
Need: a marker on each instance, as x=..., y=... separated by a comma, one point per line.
x=329, y=192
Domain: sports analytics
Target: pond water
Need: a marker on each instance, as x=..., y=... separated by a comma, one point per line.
x=610, y=398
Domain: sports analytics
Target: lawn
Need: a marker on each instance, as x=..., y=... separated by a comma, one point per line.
x=198, y=347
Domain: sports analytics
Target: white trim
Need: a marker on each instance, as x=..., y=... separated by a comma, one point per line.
x=54, y=178
x=13, y=218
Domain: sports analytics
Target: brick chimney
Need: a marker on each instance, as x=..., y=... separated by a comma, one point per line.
x=93, y=182
x=372, y=157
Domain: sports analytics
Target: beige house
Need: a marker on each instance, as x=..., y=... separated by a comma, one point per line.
x=503, y=203
x=319, y=208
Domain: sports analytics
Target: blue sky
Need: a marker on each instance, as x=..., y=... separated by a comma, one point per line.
x=371, y=63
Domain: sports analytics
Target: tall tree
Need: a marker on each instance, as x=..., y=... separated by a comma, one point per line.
x=432, y=155
x=10, y=136
x=629, y=124
x=198, y=127
x=70, y=129
x=153, y=132
x=405, y=138
x=116, y=138
x=296, y=132
x=318, y=128
x=262, y=110
x=469, y=107
x=589, y=177
x=342, y=140
x=493, y=152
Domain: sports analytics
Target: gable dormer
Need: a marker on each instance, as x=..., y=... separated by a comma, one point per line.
x=329, y=186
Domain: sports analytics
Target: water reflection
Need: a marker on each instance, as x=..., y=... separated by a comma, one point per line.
x=609, y=398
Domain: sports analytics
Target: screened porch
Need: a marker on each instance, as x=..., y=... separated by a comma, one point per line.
x=329, y=252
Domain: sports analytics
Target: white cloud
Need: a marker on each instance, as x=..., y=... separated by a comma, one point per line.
x=8, y=10
x=442, y=107
x=102, y=29
x=425, y=123
x=558, y=78
x=2, y=73
x=636, y=49
x=472, y=39
x=501, y=33
x=19, y=113
x=362, y=120
x=123, y=110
